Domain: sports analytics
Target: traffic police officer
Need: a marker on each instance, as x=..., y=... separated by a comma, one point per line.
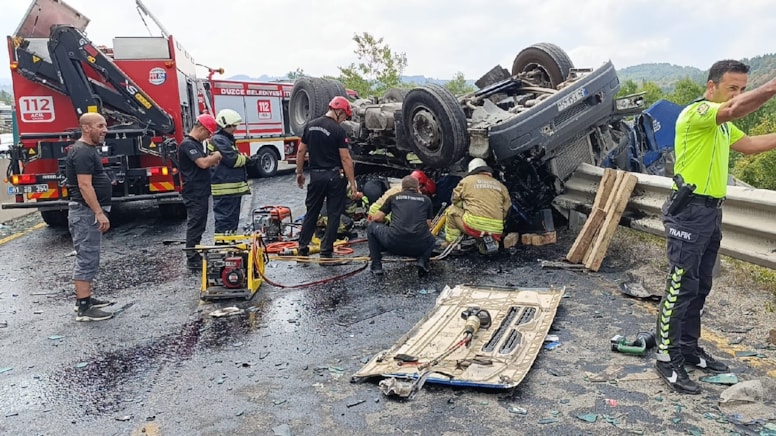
x=692, y=216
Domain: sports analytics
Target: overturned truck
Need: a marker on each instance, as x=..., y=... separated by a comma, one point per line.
x=534, y=126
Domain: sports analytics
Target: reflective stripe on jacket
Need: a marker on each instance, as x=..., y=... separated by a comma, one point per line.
x=228, y=177
x=485, y=201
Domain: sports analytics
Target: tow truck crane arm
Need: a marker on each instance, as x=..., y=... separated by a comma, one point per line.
x=70, y=49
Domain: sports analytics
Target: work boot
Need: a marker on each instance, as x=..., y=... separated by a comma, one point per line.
x=423, y=267
x=330, y=260
x=676, y=378
x=703, y=360
x=376, y=268
x=92, y=313
x=96, y=302
x=303, y=251
x=194, y=262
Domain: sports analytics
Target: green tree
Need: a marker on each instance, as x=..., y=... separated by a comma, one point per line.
x=378, y=67
x=628, y=87
x=293, y=75
x=685, y=91
x=759, y=170
x=653, y=92
x=459, y=86
x=6, y=97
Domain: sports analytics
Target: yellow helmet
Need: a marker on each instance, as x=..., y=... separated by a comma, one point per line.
x=227, y=118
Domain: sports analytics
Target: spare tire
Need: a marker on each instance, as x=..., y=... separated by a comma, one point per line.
x=435, y=125
x=394, y=95
x=550, y=60
x=309, y=99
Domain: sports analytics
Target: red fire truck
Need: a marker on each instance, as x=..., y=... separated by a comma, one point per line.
x=147, y=89
x=264, y=109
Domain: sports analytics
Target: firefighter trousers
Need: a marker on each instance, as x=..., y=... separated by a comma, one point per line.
x=693, y=237
x=329, y=186
x=226, y=211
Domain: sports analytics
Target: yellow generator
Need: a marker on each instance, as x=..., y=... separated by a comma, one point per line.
x=233, y=267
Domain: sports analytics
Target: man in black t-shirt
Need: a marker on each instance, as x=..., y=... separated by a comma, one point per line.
x=90, y=198
x=195, y=166
x=409, y=234
x=330, y=163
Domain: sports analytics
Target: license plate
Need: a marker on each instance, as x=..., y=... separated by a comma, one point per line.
x=28, y=189
x=572, y=98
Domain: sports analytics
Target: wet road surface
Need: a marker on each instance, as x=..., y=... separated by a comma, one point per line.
x=283, y=366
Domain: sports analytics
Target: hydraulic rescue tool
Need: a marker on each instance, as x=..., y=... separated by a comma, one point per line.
x=475, y=319
x=274, y=222
x=232, y=268
x=644, y=341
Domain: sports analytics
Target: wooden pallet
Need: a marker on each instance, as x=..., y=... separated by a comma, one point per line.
x=610, y=201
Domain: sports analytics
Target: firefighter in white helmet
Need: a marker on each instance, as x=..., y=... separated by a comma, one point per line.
x=229, y=180
x=479, y=204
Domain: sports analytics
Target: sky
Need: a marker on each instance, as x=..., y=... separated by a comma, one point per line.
x=439, y=38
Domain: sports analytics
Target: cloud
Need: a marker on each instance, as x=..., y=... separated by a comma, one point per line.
x=440, y=38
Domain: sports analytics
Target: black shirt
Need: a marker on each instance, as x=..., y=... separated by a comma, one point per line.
x=324, y=138
x=83, y=158
x=196, y=180
x=409, y=211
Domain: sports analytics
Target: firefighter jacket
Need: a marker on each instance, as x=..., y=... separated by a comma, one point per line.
x=485, y=202
x=375, y=207
x=228, y=177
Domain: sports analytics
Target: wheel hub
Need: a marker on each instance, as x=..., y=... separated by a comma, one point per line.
x=425, y=130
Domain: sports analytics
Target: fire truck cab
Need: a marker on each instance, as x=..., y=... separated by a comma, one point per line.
x=264, y=130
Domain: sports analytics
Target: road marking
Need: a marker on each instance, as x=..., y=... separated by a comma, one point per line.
x=22, y=233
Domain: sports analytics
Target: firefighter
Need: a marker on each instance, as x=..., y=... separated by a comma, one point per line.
x=693, y=220
x=195, y=166
x=229, y=180
x=409, y=233
x=479, y=205
x=331, y=168
x=426, y=185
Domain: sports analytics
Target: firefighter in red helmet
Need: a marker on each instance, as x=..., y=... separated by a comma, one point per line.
x=194, y=165
x=331, y=169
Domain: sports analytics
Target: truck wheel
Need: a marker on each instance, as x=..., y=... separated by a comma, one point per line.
x=435, y=125
x=550, y=60
x=54, y=218
x=309, y=100
x=394, y=95
x=172, y=211
x=335, y=89
x=267, y=164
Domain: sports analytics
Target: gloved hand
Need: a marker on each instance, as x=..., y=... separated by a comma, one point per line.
x=254, y=160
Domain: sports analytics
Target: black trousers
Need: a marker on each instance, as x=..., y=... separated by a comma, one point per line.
x=380, y=239
x=331, y=186
x=196, y=220
x=693, y=238
x=226, y=211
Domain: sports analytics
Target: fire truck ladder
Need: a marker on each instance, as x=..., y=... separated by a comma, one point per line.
x=70, y=50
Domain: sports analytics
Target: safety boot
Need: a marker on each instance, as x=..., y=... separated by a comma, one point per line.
x=423, y=267
x=703, y=360
x=376, y=268
x=676, y=378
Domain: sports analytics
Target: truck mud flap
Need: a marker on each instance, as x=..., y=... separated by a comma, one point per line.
x=498, y=357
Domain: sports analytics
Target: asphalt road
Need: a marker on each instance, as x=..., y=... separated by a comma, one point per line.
x=164, y=366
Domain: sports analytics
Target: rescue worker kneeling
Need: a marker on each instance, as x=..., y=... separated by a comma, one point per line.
x=426, y=185
x=480, y=204
x=409, y=234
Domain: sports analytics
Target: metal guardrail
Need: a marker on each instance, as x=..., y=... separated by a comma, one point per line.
x=748, y=215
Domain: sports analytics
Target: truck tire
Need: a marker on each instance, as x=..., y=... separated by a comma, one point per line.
x=435, y=125
x=309, y=100
x=267, y=164
x=55, y=218
x=549, y=59
x=335, y=89
x=394, y=95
